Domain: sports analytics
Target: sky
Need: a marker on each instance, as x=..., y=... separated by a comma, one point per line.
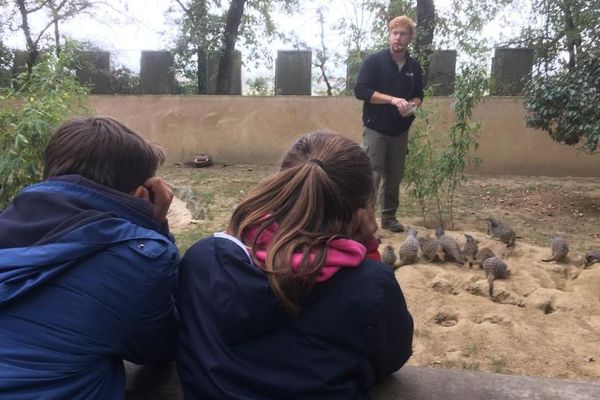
x=144, y=27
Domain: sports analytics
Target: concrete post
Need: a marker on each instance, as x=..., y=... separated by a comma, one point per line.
x=236, y=73
x=442, y=72
x=293, y=72
x=93, y=68
x=510, y=70
x=353, y=63
x=156, y=72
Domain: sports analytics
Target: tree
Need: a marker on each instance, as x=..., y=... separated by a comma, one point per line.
x=197, y=38
x=250, y=20
x=5, y=54
x=58, y=11
x=435, y=167
x=565, y=104
x=565, y=86
x=230, y=34
x=426, y=21
x=560, y=27
x=364, y=26
x=322, y=55
x=247, y=20
x=43, y=99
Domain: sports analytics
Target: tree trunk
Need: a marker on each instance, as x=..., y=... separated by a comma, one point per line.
x=201, y=71
x=424, y=40
x=56, y=31
x=234, y=17
x=572, y=35
x=56, y=38
x=31, y=45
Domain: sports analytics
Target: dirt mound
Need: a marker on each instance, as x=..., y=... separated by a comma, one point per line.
x=543, y=320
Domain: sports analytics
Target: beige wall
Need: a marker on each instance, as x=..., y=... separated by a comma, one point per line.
x=244, y=129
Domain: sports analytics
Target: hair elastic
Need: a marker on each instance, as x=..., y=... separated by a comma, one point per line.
x=318, y=162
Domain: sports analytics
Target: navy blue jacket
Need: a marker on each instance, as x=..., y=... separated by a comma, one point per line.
x=379, y=72
x=86, y=279
x=236, y=342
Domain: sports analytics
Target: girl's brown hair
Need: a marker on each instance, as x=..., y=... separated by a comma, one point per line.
x=324, y=178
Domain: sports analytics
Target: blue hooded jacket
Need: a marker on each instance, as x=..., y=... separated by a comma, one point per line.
x=86, y=280
x=236, y=341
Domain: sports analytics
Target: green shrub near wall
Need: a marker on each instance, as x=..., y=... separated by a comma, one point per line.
x=29, y=114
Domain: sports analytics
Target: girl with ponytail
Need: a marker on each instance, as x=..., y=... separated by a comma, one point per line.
x=286, y=304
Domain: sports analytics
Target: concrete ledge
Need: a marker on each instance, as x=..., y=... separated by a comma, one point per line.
x=414, y=383
x=419, y=383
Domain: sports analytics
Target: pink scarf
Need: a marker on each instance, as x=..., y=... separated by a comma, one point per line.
x=341, y=253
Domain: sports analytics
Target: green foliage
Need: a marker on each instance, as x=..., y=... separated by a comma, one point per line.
x=28, y=117
x=5, y=53
x=419, y=171
x=565, y=105
x=259, y=86
x=201, y=26
x=124, y=81
x=471, y=84
x=553, y=24
x=563, y=94
x=5, y=65
x=436, y=168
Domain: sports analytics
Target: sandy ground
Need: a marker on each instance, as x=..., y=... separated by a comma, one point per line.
x=544, y=320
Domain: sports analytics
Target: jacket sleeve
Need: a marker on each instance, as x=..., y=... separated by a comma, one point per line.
x=365, y=83
x=152, y=337
x=390, y=330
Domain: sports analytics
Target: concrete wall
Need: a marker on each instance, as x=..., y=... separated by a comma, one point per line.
x=243, y=129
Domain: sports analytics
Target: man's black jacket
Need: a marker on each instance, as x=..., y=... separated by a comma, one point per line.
x=379, y=72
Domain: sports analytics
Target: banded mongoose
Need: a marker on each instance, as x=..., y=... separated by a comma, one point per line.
x=483, y=255
x=591, y=257
x=494, y=268
x=451, y=248
x=432, y=249
x=409, y=250
x=501, y=231
x=559, y=247
x=388, y=256
x=470, y=249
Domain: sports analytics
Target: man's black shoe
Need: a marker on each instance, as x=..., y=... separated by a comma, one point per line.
x=392, y=225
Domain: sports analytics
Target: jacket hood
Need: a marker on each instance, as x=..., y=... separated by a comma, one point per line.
x=52, y=225
x=243, y=300
x=244, y=304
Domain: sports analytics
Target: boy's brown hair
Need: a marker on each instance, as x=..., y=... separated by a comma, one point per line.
x=103, y=150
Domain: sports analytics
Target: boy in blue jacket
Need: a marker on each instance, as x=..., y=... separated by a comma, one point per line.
x=87, y=267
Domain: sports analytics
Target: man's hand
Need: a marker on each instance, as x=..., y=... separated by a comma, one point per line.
x=161, y=195
x=405, y=108
x=399, y=103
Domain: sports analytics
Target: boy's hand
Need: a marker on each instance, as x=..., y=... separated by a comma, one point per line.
x=161, y=196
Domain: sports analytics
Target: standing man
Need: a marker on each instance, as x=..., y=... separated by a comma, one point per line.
x=390, y=84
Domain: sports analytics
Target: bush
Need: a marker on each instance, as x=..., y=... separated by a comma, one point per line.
x=565, y=105
x=30, y=113
x=435, y=167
